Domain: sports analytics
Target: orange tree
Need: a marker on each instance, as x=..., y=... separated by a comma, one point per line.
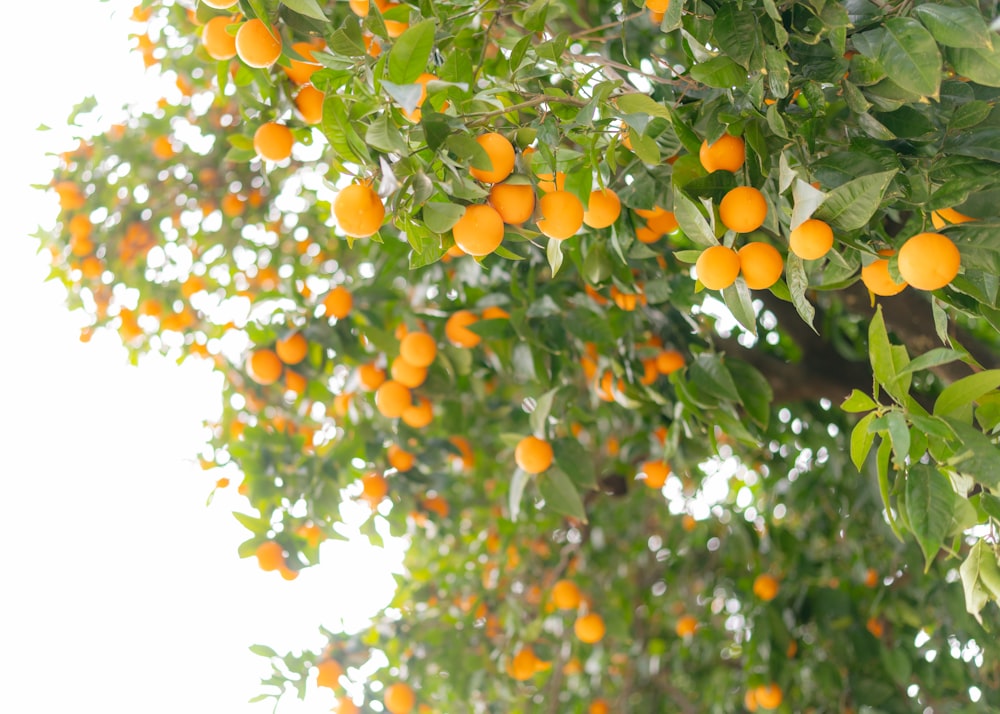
x=666, y=335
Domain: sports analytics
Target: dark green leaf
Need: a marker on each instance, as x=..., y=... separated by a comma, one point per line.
x=719, y=72
x=754, y=390
x=852, y=204
x=560, y=494
x=955, y=26
x=980, y=65
x=575, y=461
x=710, y=375
x=911, y=53
x=929, y=507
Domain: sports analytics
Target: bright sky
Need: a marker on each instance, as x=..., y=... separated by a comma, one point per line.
x=122, y=592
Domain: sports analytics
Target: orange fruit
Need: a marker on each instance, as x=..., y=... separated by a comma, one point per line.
x=811, y=240
x=400, y=459
x=548, y=182
x=668, y=361
x=270, y=555
x=599, y=706
x=871, y=578
x=292, y=349
x=392, y=399
x=525, y=664
x=768, y=696
x=876, y=627
x=750, y=700
x=876, y=276
x=422, y=80
x=407, y=374
x=561, y=214
x=162, y=148
x=479, y=231
x=257, y=44
x=603, y=208
x=727, y=153
x=657, y=5
x=760, y=265
x=533, y=455
x=359, y=210
x=645, y=234
x=501, y=153
x=309, y=102
x=394, y=28
x=418, y=348
x=338, y=302
x=718, y=267
x=659, y=219
x=330, y=671
x=295, y=382
x=743, y=209
x=346, y=705
x=70, y=196
x=220, y=4
x=589, y=628
x=456, y=329
x=273, y=141
x=218, y=43
x=232, y=205
x=264, y=366
x=374, y=488
x=929, y=261
x=765, y=587
x=361, y=7
x=419, y=415
x=656, y=473
x=370, y=377
x=300, y=71
x=494, y=312
x=948, y=216
x=514, y=202
x=686, y=626
x=566, y=595
x=399, y=698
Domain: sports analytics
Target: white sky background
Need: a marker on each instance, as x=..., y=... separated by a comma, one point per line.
x=121, y=592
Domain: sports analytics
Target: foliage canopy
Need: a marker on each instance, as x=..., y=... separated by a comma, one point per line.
x=570, y=294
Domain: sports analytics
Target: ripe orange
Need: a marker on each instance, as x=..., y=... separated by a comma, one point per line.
x=359, y=210
x=422, y=80
x=330, y=671
x=514, y=202
x=374, y=488
x=876, y=276
x=220, y=4
x=743, y=209
x=948, y=216
x=270, y=555
x=657, y=5
x=929, y=261
x=727, y=153
x=562, y=214
x=418, y=348
x=765, y=587
x=399, y=698
x=292, y=349
x=456, y=329
x=718, y=267
x=399, y=458
x=361, y=7
x=589, y=628
x=479, y=231
x=218, y=43
x=656, y=473
x=273, y=141
x=533, y=455
x=232, y=205
x=876, y=627
x=300, y=71
x=871, y=578
x=407, y=374
x=309, y=102
x=163, y=148
x=419, y=415
x=525, y=664
x=659, y=219
x=811, y=240
x=603, y=208
x=501, y=153
x=394, y=28
x=686, y=626
x=392, y=399
x=669, y=361
x=548, y=183
x=760, y=265
x=258, y=45
x=370, y=377
x=338, y=302
x=264, y=366
x=495, y=312
x=768, y=696
x=566, y=595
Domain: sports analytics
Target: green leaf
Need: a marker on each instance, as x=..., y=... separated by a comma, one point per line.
x=798, y=283
x=882, y=465
x=691, y=221
x=738, y=300
x=955, y=26
x=754, y=390
x=561, y=495
x=575, y=461
x=309, y=8
x=880, y=355
x=851, y=205
x=970, y=114
x=912, y=55
x=981, y=143
x=263, y=651
x=861, y=440
x=554, y=254
x=929, y=507
x=858, y=401
x=517, y=483
x=636, y=103
x=258, y=526
x=384, y=135
x=710, y=375
x=976, y=456
x=980, y=65
x=736, y=33
x=538, y=419
x=899, y=434
x=933, y=358
x=980, y=575
x=719, y=72
x=441, y=217
x=410, y=52
x=966, y=390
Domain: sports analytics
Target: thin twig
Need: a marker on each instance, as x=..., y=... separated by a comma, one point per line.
x=533, y=102
x=605, y=62
x=607, y=25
